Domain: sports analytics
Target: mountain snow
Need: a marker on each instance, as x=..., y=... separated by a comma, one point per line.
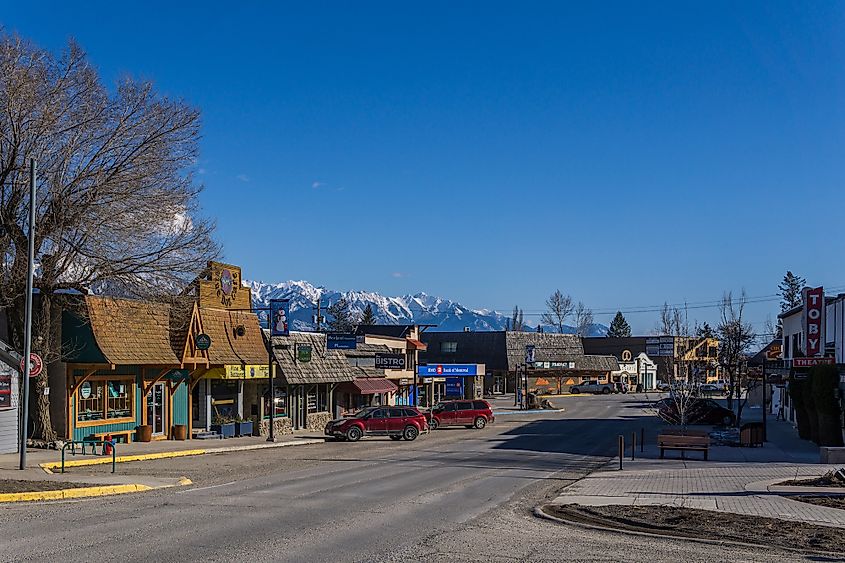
x=419, y=308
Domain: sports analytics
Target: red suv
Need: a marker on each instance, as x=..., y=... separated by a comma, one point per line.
x=396, y=422
x=472, y=414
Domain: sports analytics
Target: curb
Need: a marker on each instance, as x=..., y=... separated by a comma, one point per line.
x=86, y=492
x=540, y=513
x=48, y=467
x=532, y=411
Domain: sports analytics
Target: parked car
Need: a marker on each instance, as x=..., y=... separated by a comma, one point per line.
x=698, y=411
x=711, y=389
x=472, y=414
x=592, y=387
x=395, y=422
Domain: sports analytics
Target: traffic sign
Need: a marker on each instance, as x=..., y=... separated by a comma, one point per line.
x=36, y=365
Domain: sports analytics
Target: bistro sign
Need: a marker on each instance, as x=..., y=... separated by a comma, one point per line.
x=390, y=361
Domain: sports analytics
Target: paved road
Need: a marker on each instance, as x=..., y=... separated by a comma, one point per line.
x=456, y=495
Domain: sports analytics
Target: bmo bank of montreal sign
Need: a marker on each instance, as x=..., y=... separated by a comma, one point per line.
x=436, y=370
x=814, y=321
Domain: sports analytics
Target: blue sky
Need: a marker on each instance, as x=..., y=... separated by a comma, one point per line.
x=491, y=152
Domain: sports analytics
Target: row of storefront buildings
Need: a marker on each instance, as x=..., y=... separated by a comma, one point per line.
x=186, y=367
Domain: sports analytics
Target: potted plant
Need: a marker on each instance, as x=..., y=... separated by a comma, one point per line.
x=243, y=427
x=224, y=426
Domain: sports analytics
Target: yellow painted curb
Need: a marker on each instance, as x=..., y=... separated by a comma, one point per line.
x=81, y=492
x=49, y=466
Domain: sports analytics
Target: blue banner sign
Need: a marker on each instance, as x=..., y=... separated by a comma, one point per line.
x=341, y=341
x=279, y=316
x=435, y=370
x=455, y=387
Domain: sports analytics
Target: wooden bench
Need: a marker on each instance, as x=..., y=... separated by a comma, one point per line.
x=126, y=434
x=683, y=443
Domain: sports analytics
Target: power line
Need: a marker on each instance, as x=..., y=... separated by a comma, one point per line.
x=680, y=306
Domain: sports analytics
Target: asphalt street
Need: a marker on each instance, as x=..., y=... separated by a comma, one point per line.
x=453, y=495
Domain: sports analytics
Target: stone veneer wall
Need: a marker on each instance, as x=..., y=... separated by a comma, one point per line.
x=281, y=426
x=316, y=421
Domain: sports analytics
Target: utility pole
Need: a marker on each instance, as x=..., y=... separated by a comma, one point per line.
x=318, y=318
x=27, y=351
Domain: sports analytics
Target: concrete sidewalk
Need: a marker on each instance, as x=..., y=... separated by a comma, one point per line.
x=150, y=450
x=737, y=480
x=740, y=488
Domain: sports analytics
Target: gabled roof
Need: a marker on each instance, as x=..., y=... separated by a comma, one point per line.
x=227, y=347
x=9, y=356
x=364, y=350
x=326, y=366
x=548, y=347
x=130, y=332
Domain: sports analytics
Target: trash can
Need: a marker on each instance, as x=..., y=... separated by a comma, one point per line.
x=751, y=434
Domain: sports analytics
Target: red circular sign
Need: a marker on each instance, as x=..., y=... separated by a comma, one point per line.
x=36, y=365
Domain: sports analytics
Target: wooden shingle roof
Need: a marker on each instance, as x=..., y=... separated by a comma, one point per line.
x=548, y=347
x=130, y=332
x=596, y=363
x=326, y=366
x=227, y=347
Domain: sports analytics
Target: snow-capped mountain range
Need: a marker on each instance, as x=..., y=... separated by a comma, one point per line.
x=419, y=308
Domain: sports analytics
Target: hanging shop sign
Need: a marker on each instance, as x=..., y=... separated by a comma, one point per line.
x=814, y=320
x=203, y=341
x=237, y=371
x=303, y=353
x=36, y=365
x=85, y=390
x=448, y=369
x=341, y=341
x=390, y=361
x=279, y=317
x=5, y=390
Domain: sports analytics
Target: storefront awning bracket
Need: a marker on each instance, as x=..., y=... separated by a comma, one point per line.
x=77, y=384
x=162, y=374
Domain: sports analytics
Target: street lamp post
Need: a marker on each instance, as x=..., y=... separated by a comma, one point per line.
x=27, y=352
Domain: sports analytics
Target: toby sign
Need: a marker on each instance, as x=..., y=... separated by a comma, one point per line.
x=814, y=321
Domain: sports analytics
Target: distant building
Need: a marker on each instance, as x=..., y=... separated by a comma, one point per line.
x=559, y=359
x=668, y=352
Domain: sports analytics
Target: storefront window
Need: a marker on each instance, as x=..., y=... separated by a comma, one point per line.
x=105, y=400
x=281, y=402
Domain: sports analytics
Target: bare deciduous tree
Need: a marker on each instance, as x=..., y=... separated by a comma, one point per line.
x=117, y=206
x=559, y=308
x=583, y=320
x=735, y=337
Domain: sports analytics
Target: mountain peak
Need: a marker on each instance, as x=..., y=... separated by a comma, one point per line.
x=417, y=308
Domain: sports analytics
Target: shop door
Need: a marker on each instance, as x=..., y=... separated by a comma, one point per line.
x=498, y=385
x=156, y=400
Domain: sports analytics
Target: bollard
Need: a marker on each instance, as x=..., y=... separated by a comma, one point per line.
x=642, y=439
x=621, y=450
x=633, y=444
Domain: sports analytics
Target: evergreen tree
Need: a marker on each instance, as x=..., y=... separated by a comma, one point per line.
x=368, y=317
x=341, y=317
x=790, y=291
x=517, y=322
x=619, y=327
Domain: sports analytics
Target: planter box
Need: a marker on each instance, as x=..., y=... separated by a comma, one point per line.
x=243, y=428
x=225, y=430
x=832, y=456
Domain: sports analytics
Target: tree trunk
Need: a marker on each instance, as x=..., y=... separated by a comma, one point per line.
x=42, y=343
